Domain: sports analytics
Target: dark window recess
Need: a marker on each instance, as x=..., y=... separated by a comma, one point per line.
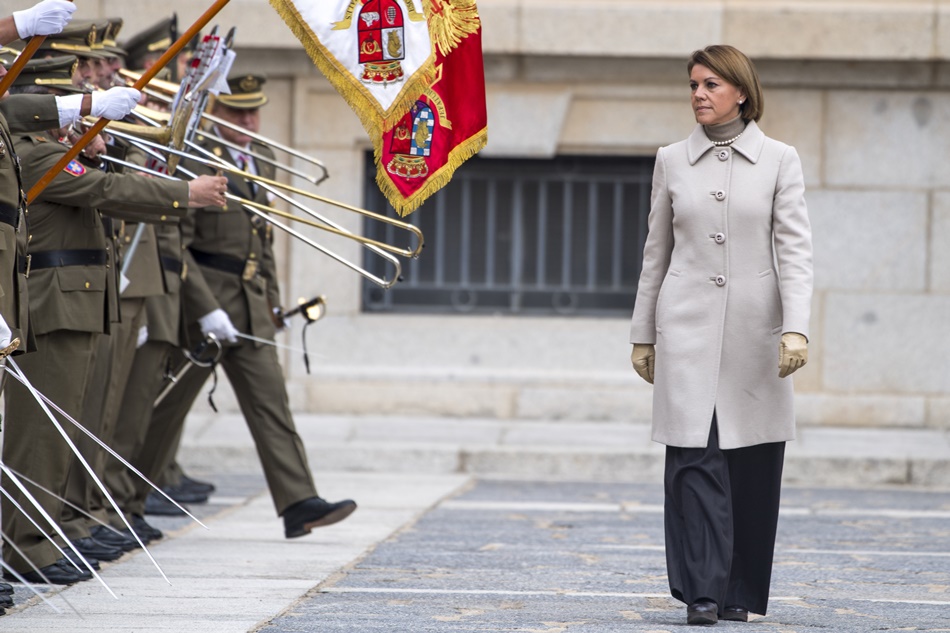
x=515, y=236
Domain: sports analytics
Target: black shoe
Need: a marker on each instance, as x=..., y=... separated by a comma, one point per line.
x=703, y=612
x=181, y=494
x=735, y=614
x=71, y=555
x=90, y=547
x=160, y=506
x=194, y=485
x=59, y=573
x=6, y=589
x=6, y=602
x=145, y=531
x=113, y=539
x=305, y=515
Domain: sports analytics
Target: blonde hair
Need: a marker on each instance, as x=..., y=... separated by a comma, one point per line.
x=732, y=65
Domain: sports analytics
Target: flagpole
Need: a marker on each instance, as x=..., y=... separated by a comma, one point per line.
x=149, y=74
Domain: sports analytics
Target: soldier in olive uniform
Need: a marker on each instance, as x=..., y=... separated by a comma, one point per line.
x=19, y=115
x=152, y=358
x=231, y=288
x=70, y=295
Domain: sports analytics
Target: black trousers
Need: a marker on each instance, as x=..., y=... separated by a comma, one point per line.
x=721, y=514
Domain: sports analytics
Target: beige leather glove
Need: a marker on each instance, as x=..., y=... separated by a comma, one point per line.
x=792, y=353
x=643, y=357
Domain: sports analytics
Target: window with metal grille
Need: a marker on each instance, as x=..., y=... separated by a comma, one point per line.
x=522, y=236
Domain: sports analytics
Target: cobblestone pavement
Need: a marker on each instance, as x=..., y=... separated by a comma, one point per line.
x=578, y=557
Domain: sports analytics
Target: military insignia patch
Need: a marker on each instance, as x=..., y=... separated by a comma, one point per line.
x=74, y=168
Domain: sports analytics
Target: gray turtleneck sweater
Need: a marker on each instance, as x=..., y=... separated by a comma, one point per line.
x=725, y=131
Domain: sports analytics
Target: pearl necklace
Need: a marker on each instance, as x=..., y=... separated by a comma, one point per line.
x=729, y=142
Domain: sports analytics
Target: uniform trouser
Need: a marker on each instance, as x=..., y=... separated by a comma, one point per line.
x=32, y=445
x=100, y=414
x=258, y=382
x=721, y=515
x=146, y=378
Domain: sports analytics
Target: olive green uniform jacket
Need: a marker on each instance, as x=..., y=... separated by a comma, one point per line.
x=70, y=307
x=21, y=113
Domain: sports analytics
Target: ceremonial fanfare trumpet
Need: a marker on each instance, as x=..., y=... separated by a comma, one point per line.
x=130, y=133
x=165, y=92
x=154, y=140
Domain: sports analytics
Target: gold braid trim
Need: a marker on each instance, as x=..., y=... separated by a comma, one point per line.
x=376, y=121
x=435, y=181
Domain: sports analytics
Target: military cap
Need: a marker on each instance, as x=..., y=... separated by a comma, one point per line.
x=109, y=39
x=51, y=72
x=82, y=38
x=157, y=38
x=246, y=92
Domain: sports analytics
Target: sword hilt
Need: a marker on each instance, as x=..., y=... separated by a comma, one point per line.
x=312, y=310
x=206, y=353
x=9, y=349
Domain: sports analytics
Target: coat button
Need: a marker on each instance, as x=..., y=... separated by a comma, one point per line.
x=720, y=281
x=720, y=238
x=720, y=195
x=723, y=154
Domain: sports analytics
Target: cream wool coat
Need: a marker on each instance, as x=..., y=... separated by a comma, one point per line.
x=727, y=269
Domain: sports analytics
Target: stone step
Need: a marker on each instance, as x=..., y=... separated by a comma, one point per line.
x=608, y=451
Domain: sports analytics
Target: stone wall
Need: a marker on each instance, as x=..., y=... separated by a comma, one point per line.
x=861, y=88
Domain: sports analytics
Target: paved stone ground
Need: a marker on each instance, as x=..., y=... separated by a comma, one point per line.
x=576, y=557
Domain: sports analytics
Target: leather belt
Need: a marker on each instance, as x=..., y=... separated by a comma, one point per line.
x=225, y=263
x=69, y=257
x=171, y=264
x=9, y=215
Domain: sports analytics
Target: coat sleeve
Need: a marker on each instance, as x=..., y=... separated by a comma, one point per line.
x=197, y=297
x=125, y=196
x=30, y=113
x=656, y=256
x=792, y=238
x=268, y=260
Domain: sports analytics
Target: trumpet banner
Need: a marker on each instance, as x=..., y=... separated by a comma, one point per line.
x=412, y=71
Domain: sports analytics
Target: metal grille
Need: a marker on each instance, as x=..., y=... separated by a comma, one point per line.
x=517, y=236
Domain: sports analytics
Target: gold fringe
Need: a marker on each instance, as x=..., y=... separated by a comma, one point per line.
x=434, y=182
x=375, y=120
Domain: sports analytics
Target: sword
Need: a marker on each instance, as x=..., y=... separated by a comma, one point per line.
x=53, y=524
x=206, y=354
x=105, y=447
x=26, y=582
x=42, y=401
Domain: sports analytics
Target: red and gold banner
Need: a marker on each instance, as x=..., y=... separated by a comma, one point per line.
x=412, y=71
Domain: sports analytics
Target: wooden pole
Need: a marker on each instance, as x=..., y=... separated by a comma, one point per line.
x=32, y=46
x=149, y=74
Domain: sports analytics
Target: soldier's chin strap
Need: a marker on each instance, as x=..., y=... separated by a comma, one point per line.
x=312, y=311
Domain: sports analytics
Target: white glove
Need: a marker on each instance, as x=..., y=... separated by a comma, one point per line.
x=5, y=333
x=218, y=323
x=143, y=336
x=114, y=103
x=46, y=18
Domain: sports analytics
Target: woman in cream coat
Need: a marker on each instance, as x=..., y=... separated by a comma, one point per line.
x=720, y=322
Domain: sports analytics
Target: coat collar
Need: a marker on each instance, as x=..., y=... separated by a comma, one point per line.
x=750, y=144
